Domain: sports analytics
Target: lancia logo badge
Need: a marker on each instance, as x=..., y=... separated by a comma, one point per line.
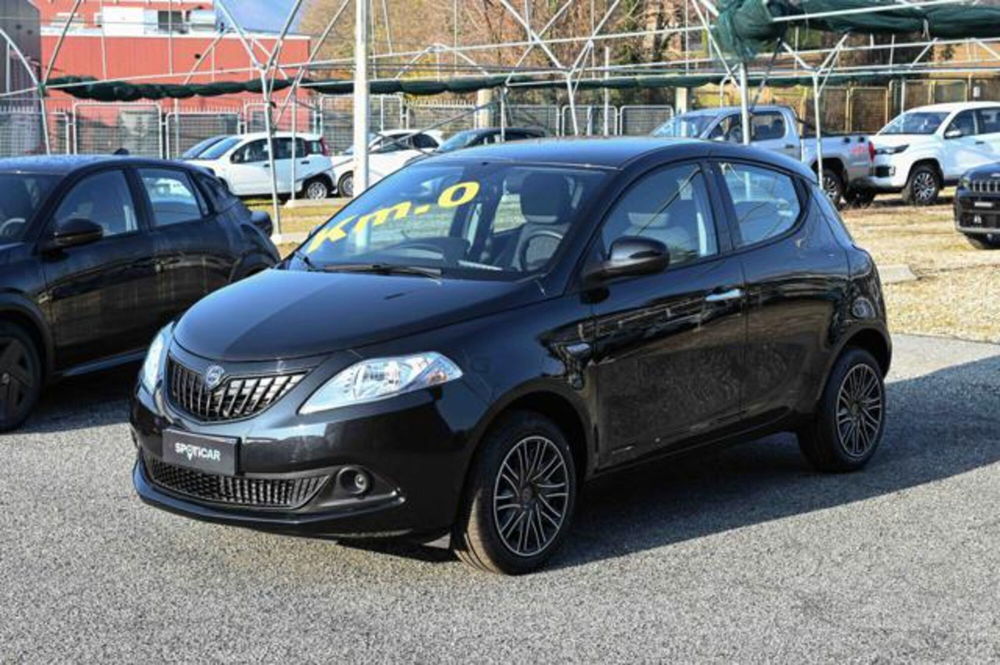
x=213, y=377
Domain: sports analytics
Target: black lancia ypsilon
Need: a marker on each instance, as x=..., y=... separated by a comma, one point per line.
x=461, y=347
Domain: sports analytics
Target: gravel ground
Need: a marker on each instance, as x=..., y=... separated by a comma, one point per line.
x=744, y=556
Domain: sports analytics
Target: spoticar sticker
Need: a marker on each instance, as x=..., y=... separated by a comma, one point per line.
x=457, y=195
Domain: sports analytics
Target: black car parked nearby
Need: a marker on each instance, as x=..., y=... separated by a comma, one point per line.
x=98, y=253
x=977, y=206
x=462, y=346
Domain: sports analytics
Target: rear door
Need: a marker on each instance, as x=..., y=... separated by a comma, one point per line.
x=668, y=348
x=101, y=298
x=795, y=280
x=770, y=131
x=989, y=127
x=968, y=148
x=194, y=252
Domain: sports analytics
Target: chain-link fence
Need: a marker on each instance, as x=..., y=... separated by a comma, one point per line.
x=642, y=120
x=868, y=109
x=590, y=121
x=106, y=128
x=534, y=116
x=446, y=118
x=186, y=129
x=21, y=132
x=337, y=118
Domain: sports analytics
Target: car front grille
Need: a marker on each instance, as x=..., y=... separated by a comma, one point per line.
x=974, y=220
x=236, y=397
x=235, y=491
x=985, y=186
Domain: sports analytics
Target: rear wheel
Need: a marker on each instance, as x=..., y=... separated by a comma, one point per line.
x=850, y=419
x=833, y=187
x=316, y=189
x=860, y=198
x=986, y=241
x=20, y=376
x=923, y=186
x=520, y=498
x=345, y=186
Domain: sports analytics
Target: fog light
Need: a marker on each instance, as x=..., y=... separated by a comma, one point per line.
x=354, y=481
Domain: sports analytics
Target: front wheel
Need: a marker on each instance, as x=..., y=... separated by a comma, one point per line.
x=833, y=187
x=345, y=186
x=520, y=497
x=987, y=241
x=20, y=376
x=922, y=187
x=860, y=198
x=850, y=418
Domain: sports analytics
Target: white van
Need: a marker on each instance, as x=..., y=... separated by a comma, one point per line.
x=241, y=162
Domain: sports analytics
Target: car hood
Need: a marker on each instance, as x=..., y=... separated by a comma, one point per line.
x=892, y=140
x=281, y=314
x=985, y=172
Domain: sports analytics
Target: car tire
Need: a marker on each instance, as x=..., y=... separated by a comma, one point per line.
x=316, y=189
x=20, y=376
x=520, y=496
x=860, y=198
x=833, y=187
x=345, y=186
x=923, y=186
x=849, y=421
x=987, y=241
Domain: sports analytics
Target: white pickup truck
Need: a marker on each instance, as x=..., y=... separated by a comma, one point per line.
x=923, y=149
x=847, y=158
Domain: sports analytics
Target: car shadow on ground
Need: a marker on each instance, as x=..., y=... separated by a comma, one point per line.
x=92, y=400
x=940, y=425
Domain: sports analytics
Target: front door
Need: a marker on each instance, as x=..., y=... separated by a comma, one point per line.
x=249, y=171
x=100, y=298
x=668, y=348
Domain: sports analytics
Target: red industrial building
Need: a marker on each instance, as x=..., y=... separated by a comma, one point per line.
x=162, y=41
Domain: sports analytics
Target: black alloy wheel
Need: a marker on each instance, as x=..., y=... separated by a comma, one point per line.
x=20, y=376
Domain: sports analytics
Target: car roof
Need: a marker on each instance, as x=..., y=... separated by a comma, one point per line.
x=66, y=164
x=308, y=136
x=954, y=106
x=615, y=152
x=716, y=110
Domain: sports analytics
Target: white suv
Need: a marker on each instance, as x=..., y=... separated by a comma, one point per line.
x=241, y=162
x=926, y=148
x=388, y=151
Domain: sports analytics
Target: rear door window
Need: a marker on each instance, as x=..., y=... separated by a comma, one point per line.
x=766, y=201
x=173, y=198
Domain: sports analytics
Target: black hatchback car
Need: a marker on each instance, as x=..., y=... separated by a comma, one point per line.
x=98, y=253
x=461, y=347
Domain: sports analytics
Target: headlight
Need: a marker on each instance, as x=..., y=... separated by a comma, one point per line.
x=154, y=359
x=891, y=150
x=964, y=182
x=379, y=378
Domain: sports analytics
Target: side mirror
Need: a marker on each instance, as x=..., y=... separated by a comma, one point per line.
x=954, y=133
x=262, y=221
x=73, y=232
x=631, y=255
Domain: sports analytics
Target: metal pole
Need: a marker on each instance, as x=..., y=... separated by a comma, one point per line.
x=744, y=108
x=819, y=141
x=271, y=149
x=607, y=92
x=360, y=96
x=295, y=128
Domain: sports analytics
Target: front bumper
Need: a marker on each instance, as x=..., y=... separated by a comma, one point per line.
x=290, y=469
x=977, y=213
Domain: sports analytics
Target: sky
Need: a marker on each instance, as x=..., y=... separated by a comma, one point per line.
x=261, y=14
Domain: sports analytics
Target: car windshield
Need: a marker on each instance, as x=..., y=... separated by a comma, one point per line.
x=915, y=122
x=685, y=126
x=20, y=197
x=459, y=141
x=200, y=147
x=222, y=147
x=472, y=221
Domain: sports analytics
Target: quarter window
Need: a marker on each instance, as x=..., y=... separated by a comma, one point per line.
x=670, y=205
x=104, y=199
x=766, y=202
x=171, y=196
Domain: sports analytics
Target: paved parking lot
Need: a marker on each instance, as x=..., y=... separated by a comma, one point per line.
x=744, y=556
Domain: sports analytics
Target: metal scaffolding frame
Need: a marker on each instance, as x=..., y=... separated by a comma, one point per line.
x=813, y=66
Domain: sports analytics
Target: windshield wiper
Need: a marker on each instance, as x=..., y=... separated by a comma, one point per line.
x=383, y=269
x=302, y=256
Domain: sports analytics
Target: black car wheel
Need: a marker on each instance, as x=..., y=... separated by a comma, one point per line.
x=923, y=186
x=520, y=497
x=833, y=187
x=20, y=376
x=345, y=186
x=850, y=420
x=860, y=198
x=316, y=189
x=987, y=241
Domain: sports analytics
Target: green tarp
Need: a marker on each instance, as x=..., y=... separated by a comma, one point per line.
x=746, y=27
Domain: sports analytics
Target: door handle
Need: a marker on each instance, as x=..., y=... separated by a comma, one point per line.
x=724, y=296
x=305, y=161
x=789, y=146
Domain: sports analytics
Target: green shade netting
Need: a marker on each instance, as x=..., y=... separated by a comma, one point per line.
x=746, y=27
